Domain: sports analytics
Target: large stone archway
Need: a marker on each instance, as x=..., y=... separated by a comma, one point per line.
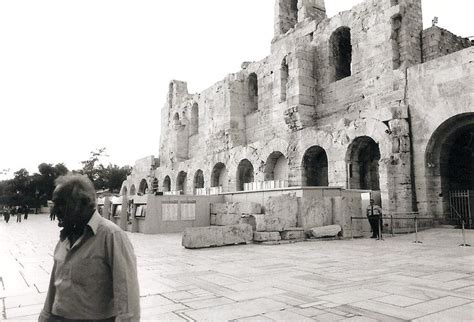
x=315, y=167
x=219, y=176
x=245, y=174
x=363, y=158
x=449, y=162
x=276, y=167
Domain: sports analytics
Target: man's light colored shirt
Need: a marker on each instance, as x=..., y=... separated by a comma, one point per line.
x=96, y=278
x=377, y=211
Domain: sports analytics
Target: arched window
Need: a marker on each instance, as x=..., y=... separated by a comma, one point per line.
x=315, y=167
x=288, y=14
x=124, y=191
x=167, y=184
x=143, y=188
x=276, y=167
x=253, y=92
x=199, y=180
x=176, y=119
x=218, y=175
x=245, y=174
x=284, y=73
x=194, y=129
x=181, y=181
x=341, y=52
x=133, y=190
x=363, y=161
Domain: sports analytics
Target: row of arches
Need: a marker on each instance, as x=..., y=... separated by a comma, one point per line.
x=362, y=159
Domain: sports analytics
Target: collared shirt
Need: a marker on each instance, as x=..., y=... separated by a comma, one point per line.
x=377, y=211
x=96, y=278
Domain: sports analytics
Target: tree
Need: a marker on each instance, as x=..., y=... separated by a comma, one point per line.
x=91, y=168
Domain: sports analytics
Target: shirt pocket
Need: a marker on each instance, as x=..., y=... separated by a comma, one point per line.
x=91, y=273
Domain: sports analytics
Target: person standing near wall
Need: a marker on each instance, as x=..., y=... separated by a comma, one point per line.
x=374, y=215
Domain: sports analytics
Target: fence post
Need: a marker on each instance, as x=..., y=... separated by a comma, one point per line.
x=380, y=237
x=352, y=233
x=391, y=225
x=416, y=232
x=464, y=244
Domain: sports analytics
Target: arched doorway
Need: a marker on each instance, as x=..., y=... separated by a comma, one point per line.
x=143, y=188
x=245, y=174
x=449, y=168
x=124, y=191
x=181, y=181
x=315, y=167
x=219, y=175
x=199, y=179
x=133, y=190
x=363, y=158
x=167, y=184
x=276, y=167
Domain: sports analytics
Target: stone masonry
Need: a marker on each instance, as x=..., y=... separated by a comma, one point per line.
x=362, y=100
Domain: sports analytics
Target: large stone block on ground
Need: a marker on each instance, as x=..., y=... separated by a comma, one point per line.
x=263, y=236
x=292, y=234
x=227, y=219
x=281, y=212
x=326, y=231
x=202, y=237
x=237, y=234
x=257, y=221
x=236, y=208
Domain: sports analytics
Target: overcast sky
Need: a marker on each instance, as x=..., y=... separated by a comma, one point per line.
x=79, y=75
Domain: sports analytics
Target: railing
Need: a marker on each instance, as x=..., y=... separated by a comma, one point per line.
x=461, y=207
x=396, y=223
x=173, y=193
x=265, y=185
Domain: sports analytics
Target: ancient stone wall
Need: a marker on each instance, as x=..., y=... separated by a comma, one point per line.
x=438, y=42
x=329, y=106
x=441, y=99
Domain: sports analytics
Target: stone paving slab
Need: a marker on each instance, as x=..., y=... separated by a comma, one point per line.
x=331, y=280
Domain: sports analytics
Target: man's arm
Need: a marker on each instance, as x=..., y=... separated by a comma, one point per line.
x=45, y=315
x=124, y=275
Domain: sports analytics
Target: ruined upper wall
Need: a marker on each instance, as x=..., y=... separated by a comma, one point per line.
x=438, y=42
x=306, y=81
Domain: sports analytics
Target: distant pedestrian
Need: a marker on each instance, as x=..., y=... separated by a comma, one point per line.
x=94, y=277
x=374, y=215
x=7, y=214
x=52, y=216
x=18, y=214
x=25, y=212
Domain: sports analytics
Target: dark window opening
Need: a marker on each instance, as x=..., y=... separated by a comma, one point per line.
x=253, y=92
x=364, y=157
x=181, y=182
x=167, y=184
x=199, y=180
x=284, y=79
x=341, y=52
x=396, y=40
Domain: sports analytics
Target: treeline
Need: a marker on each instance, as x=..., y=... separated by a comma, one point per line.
x=34, y=190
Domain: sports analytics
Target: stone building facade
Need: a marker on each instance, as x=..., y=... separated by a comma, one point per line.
x=365, y=100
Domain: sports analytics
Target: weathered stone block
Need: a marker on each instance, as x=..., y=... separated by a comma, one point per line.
x=262, y=236
x=326, y=231
x=294, y=233
x=203, y=237
x=236, y=208
x=281, y=212
x=227, y=219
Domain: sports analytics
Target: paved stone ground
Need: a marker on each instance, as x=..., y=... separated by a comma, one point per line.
x=360, y=280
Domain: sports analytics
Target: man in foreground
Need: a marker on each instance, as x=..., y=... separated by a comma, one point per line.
x=94, y=276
